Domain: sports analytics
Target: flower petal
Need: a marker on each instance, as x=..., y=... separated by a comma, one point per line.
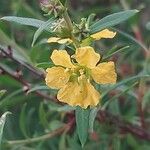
x=76, y=95
x=53, y=40
x=104, y=73
x=58, y=40
x=63, y=41
x=103, y=34
x=87, y=56
x=62, y=58
x=56, y=77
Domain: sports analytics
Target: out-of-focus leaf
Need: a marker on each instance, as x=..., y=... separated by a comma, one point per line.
x=36, y=88
x=116, y=143
x=56, y=107
x=62, y=143
x=114, y=107
x=112, y=20
x=133, y=78
x=18, y=52
x=22, y=121
x=24, y=21
x=82, y=123
x=55, y=124
x=92, y=117
x=146, y=100
x=148, y=25
x=41, y=29
x=42, y=116
x=2, y=123
x=113, y=53
x=44, y=65
x=129, y=37
x=2, y=92
x=7, y=99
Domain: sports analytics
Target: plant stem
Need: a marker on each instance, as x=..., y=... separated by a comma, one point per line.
x=40, y=138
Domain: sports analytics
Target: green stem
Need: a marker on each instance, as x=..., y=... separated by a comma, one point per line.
x=70, y=26
x=40, y=138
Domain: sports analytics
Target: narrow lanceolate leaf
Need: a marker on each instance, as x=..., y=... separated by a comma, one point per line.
x=44, y=65
x=24, y=21
x=22, y=121
x=130, y=79
x=42, y=28
x=2, y=123
x=113, y=53
x=82, y=122
x=92, y=117
x=129, y=37
x=43, y=116
x=112, y=20
x=39, y=87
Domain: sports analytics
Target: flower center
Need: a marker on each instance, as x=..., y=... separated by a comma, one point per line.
x=79, y=74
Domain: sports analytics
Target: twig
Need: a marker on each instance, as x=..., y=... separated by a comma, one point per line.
x=9, y=54
x=105, y=116
x=26, y=84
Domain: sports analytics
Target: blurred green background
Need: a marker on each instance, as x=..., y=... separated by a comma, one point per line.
x=33, y=115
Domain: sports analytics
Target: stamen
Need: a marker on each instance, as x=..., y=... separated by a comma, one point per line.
x=66, y=70
x=73, y=56
x=81, y=71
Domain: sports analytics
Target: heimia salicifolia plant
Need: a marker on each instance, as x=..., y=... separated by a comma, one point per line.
x=76, y=76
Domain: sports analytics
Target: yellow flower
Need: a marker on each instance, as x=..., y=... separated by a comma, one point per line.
x=73, y=79
x=59, y=40
x=97, y=36
x=103, y=34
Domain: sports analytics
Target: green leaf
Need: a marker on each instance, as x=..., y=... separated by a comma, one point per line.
x=113, y=53
x=148, y=25
x=112, y=20
x=6, y=101
x=22, y=121
x=116, y=142
x=59, y=108
x=41, y=29
x=42, y=116
x=24, y=21
x=36, y=88
x=129, y=37
x=44, y=65
x=82, y=123
x=92, y=117
x=2, y=92
x=2, y=123
x=133, y=78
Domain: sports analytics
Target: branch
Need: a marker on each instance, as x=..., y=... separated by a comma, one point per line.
x=105, y=116
x=8, y=53
x=25, y=84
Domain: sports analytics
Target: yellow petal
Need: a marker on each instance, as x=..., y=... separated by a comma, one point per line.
x=58, y=40
x=103, y=34
x=76, y=95
x=62, y=58
x=87, y=56
x=53, y=40
x=63, y=41
x=104, y=73
x=56, y=77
